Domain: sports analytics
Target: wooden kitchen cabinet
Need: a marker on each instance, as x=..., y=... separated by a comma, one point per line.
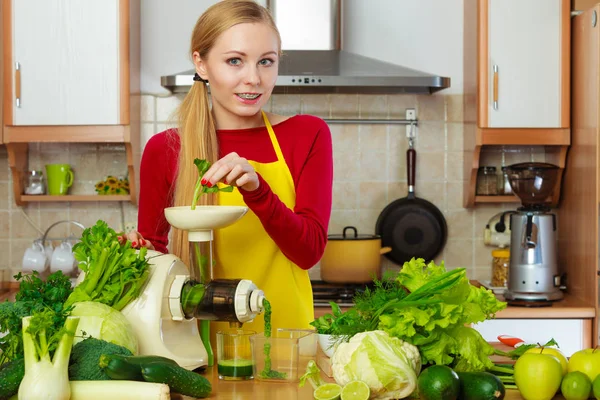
x=70, y=74
x=516, y=82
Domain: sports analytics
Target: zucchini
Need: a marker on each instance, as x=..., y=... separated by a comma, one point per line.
x=11, y=375
x=129, y=368
x=179, y=379
x=480, y=386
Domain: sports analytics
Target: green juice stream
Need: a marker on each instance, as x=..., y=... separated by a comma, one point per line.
x=267, y=372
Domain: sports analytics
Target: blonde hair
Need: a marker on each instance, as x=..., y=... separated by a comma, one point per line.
x=197, y=129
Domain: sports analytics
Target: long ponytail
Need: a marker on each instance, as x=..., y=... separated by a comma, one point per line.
x=198, y=137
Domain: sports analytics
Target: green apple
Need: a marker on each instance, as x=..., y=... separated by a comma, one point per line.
x=538, y=376
x=586, y=361
x=553, y=352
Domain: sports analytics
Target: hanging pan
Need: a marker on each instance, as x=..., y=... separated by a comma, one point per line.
x=412, y=227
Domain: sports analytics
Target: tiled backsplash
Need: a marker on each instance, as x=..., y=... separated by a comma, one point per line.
x=369, y=173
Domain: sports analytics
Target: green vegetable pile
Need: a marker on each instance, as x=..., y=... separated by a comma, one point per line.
x=34, y=296
x=203, y=166
x=428, y=307
x=114, y=273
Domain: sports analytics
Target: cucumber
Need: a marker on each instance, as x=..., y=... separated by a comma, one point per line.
x=179, y=379
x=11, y=375
x=480, y=386
x=129, y=368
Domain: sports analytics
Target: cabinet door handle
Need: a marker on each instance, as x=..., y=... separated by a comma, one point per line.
x=495, y=87
x=18, y=84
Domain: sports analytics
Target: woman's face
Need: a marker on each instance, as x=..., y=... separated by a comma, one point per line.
x=241, y=69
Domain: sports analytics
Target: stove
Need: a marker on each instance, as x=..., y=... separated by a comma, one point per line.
x=341, y=293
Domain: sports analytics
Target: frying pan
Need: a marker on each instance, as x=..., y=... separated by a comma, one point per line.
x=412, y=227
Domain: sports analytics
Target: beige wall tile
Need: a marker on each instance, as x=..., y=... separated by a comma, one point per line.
x=49, y=217
x=454, y=104
x=345, y=195
x=148, y=109
x=397, y=164
x=316, y=104
x=341, y=218
x=346, y=167
x=111, y=163
x=147, y=130
x=430, y=166
x=483, y=253
x=5, y=232
x=373, y=106
x=20, y=228
x=372, y=195
x=431, y=137
x=397, y=190
x=367, y=218
x=17, y=250
x=166, y=106
x=372, y=166
x=460, y=224
x=373, y=138
x=5, y=187
x=85, y=217
x=5, y=259
x=431, y=107
x=344, y=106
x=455, y=136
x=455, y=165
x=84, y=163
x=344, y=137
x=483, y=274
x=454, y=193
x=286, y=104
x=458, y=253
x=432, y=192
x=398, y=103
x=315, y=273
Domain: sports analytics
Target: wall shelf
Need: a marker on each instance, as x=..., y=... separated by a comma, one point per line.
x=74, y=197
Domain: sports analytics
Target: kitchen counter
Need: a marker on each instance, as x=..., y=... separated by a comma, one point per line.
x=254, y=389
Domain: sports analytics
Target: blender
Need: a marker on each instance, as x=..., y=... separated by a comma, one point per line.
x=533, y=272
x=165, y=315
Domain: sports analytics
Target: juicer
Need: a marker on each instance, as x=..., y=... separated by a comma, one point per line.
x=533, y=271
x=165, y=315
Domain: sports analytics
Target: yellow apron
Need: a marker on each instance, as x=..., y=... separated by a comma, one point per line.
x=244, y=250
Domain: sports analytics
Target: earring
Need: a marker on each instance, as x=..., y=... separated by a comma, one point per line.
x=197, y=78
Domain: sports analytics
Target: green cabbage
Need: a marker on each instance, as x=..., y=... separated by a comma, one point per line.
x=104, y=322
x=387, y=364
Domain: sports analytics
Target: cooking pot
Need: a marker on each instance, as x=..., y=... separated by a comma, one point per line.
x=352, y=258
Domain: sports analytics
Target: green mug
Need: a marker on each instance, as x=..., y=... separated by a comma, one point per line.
x=59, y=178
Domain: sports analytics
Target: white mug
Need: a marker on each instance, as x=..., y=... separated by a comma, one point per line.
x=34, y=258
x=63, y=259
x=48, y=250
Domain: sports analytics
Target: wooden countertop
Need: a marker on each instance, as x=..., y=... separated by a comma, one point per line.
x=255, y=389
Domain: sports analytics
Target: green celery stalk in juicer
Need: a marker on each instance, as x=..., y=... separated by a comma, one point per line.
x=267, y=372
x=203, y=166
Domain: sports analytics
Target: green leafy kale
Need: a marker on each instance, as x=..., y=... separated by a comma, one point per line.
x=114, y=273
x=34, y=296
x=203, y=166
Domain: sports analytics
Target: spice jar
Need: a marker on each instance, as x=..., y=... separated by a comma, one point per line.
x=487, y=181
x=503, y=183
x=33, y=182
x=500, y=264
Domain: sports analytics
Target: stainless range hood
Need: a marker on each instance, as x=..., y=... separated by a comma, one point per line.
x=313, y=62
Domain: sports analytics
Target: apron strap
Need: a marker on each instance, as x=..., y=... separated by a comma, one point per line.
x=274, y=141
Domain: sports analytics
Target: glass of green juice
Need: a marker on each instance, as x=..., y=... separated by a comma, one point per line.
x=234, y=354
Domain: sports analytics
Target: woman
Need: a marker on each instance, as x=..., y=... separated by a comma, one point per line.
x=281, y=166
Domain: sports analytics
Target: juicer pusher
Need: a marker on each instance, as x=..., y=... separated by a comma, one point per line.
x=165, y=315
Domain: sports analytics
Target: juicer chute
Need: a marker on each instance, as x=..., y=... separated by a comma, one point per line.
x=171, y=316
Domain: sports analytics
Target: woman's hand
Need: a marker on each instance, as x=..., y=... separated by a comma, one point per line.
x=233, y=170
x=136, y=240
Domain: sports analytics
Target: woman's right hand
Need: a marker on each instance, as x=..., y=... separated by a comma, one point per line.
x=136, y=239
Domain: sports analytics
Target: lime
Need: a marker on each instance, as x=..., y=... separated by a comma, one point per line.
x=438, y=382
x=596, y=387
x=328, y=391
x=576, y=386
x=356, y=390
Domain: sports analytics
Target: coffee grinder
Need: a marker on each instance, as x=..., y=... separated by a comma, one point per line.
x=533, y=272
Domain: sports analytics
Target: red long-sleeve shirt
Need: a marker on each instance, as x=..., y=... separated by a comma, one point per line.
x=305, y=142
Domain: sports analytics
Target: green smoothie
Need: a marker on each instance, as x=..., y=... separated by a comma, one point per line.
x=237, y=368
